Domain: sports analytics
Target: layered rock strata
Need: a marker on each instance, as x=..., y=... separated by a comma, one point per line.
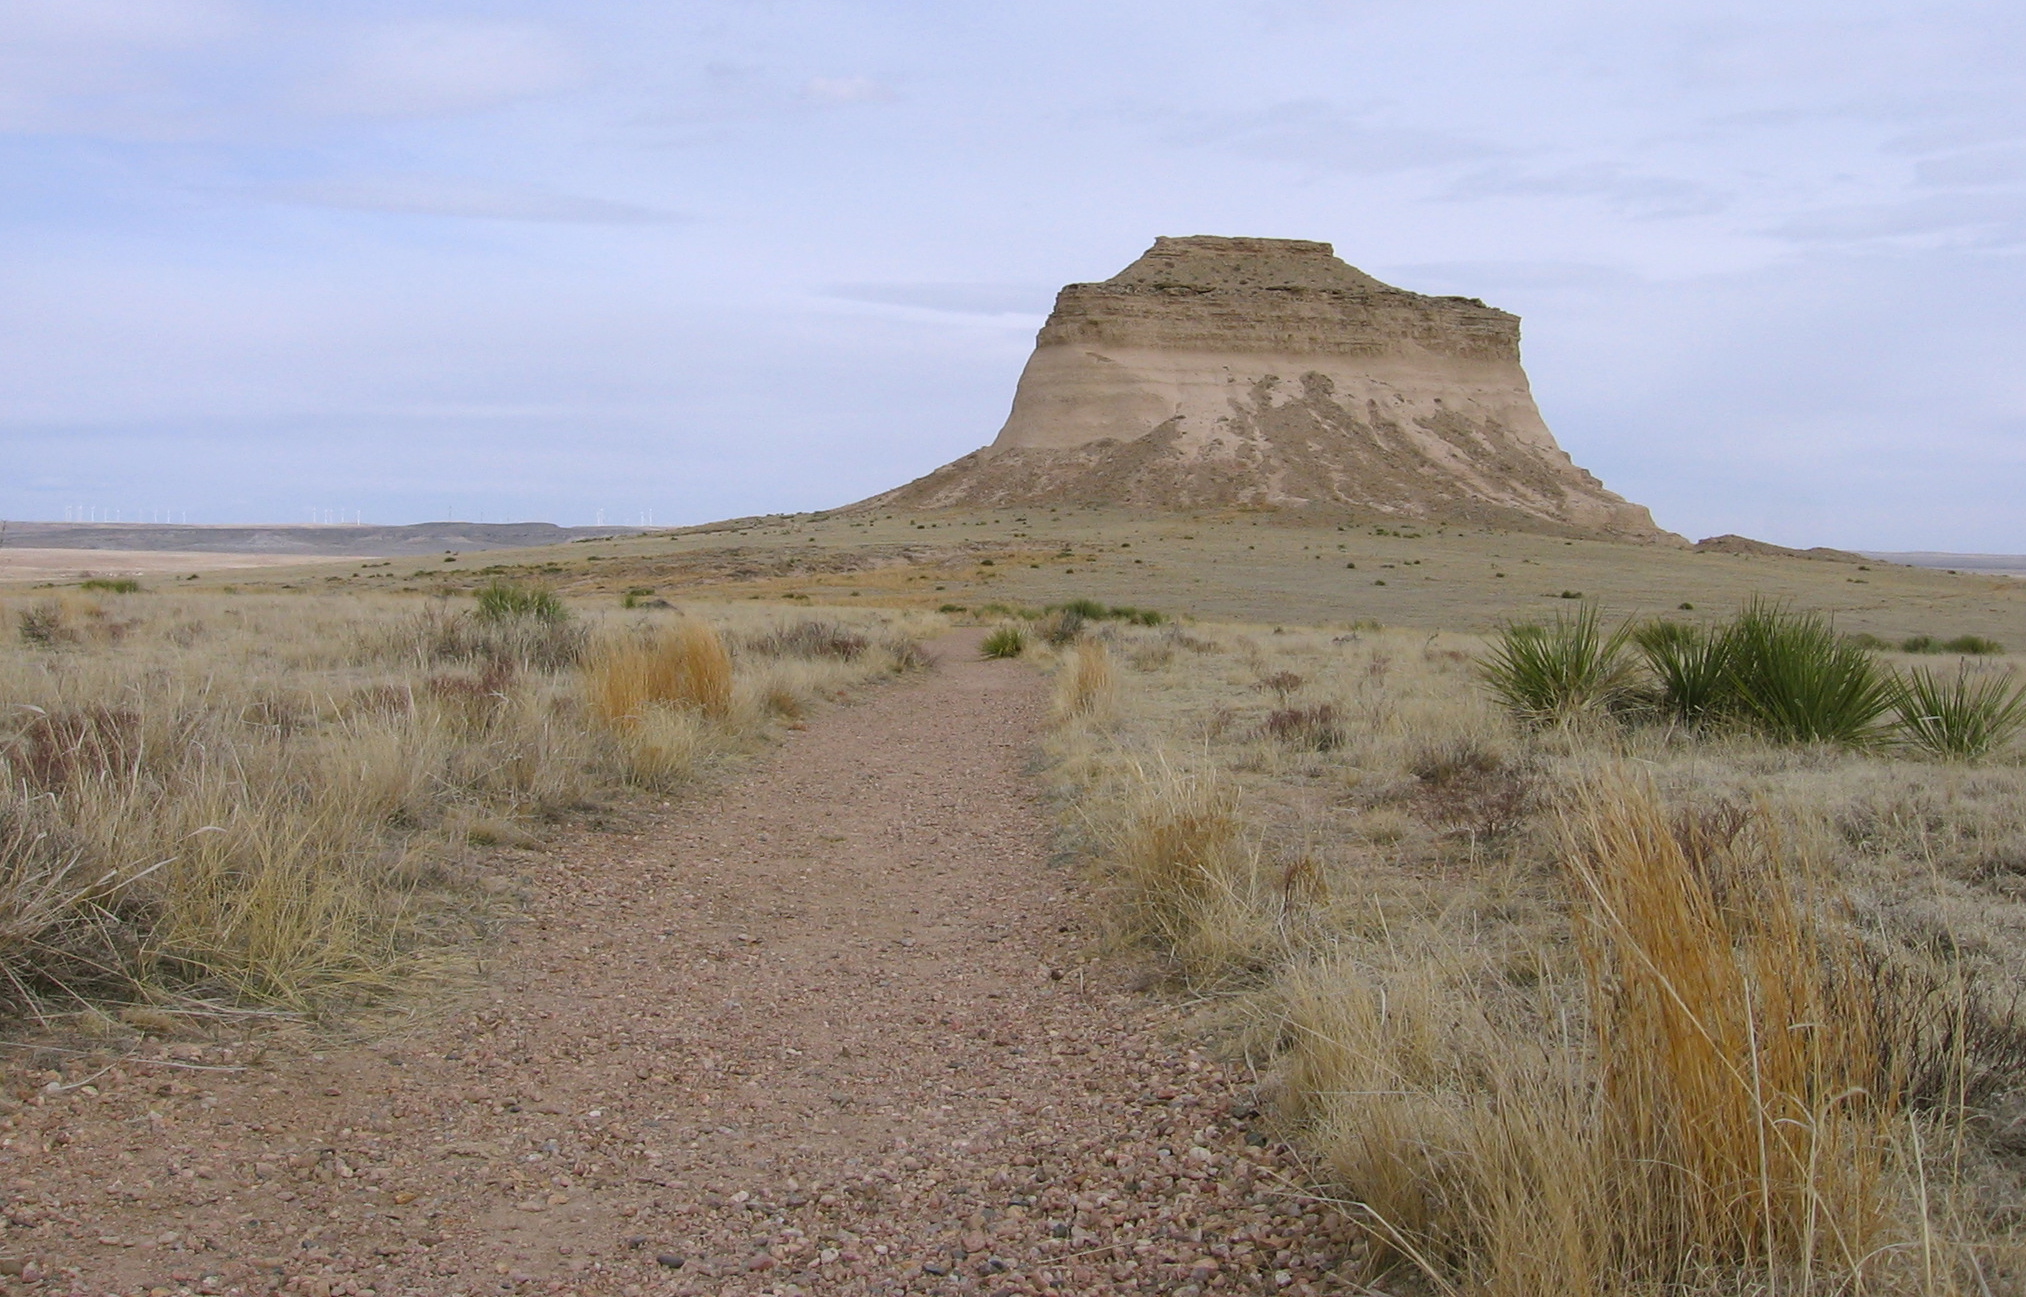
x=1217, y=372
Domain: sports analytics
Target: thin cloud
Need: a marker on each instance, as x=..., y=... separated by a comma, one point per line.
x=159, y=23
x=1986, y=220
x=1632, y=192
x=484, y=200
x=429, y=68
x=846, y=90
x=959, y=299
x=1316, y=133
x=2005, y=166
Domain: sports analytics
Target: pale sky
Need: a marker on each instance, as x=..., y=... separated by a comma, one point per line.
x=533, y=260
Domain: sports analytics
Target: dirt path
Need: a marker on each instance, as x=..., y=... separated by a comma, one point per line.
x=829, y=1030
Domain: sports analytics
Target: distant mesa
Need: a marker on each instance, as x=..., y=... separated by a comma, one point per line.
x=1226, y=372
x=368, y=541
x=1731, y=543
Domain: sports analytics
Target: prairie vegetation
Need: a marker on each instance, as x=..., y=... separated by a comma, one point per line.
x=230, y=802
x=1617, y=985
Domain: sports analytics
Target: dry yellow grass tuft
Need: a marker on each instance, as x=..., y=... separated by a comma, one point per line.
x=1087, y=687
x=684, y=666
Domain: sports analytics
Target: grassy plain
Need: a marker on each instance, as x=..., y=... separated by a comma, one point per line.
x=1260, y=567
x=215, y=802
x=1609, y=1007
x=1614, y=1006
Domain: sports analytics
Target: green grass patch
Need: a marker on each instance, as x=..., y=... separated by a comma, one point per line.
x=1005, y=642
x=503, y=602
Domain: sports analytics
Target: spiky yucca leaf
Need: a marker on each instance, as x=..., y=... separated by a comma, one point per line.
x=1552, y=674
x=1797, y=681
x=1960, y=718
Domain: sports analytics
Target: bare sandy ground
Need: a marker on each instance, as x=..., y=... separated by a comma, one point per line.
x=76, y=564
x=835, y=1028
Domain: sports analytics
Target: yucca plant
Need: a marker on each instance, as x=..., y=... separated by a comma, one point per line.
x=1005, y=642
x=1692, y=666
x=502, y=602
x=1961, y=718
x=1795, y=680
x=1552, y=674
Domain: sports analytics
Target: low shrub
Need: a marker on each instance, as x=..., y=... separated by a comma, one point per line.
x=1282, y=684
x=811, y=639
x=1060, y=627
x=1962, y=718
x=44, y=624
x=1092, y=610
x=1317, y=728
x=1968, y=645
x=1005, y=642
x=530, y=643
x=112, y=585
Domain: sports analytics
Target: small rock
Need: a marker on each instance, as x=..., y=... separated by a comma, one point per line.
x=670, y=1259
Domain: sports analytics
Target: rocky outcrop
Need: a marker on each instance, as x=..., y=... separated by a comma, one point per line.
x=1223, y=372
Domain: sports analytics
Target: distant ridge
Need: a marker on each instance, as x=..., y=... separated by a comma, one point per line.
x=1731, y=543
x=310, y=541
x=1230, y=372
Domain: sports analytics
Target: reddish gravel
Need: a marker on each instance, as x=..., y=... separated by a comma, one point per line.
x=831, y=1029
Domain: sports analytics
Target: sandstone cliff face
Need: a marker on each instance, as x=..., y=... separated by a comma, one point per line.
x=1219, y=372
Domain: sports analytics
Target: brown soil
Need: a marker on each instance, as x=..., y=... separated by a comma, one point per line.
x=835, y=1028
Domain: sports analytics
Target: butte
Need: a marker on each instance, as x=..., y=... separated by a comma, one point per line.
x=1239, y=372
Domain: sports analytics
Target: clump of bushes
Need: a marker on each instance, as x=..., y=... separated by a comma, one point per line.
x=112, y=585
x=1968, y=645
x=1783, y=674
x=811, y=639
x=44, y=624
x=1005, y=642
x=1092, y=610
x=1316, y=728
x=531, y=629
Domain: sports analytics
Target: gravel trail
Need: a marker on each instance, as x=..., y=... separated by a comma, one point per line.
x=833, y=1028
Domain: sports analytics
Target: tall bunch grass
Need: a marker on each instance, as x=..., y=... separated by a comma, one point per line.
x=1556, y=673
x=1703, y=1105
x=1184, y=880
x=1087, y=684
x=685, y=666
